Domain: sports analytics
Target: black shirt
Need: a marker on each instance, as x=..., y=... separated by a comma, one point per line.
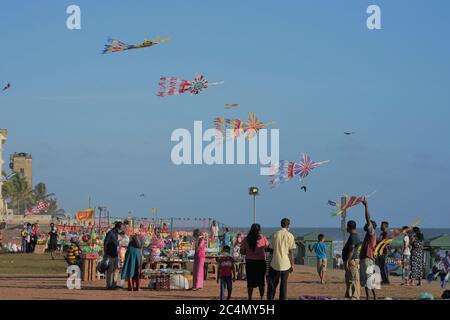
x=53, y=235
x=353, y=240
x=111, y=243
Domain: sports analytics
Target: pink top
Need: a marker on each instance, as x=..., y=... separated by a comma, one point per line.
x=260, y=251
x=200, y=248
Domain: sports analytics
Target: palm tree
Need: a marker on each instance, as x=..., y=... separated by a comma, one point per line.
x=18, y=192
x=40, y=192
x=54, y=211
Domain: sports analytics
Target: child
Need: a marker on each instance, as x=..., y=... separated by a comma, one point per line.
x=226, y=272
x=320, y=248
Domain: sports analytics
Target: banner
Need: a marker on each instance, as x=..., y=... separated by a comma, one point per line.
x=86, y=215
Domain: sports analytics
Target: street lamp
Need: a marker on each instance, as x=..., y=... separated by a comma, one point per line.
x=253, y=191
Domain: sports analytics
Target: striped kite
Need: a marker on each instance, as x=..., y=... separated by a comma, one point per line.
x=286, y=170
x=350, y=201
x=238, y=127
x=115, y=45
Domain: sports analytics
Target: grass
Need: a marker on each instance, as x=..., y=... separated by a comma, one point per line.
x=23, y=263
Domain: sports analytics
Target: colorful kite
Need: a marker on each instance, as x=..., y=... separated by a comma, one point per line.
x=170, y=86
x=117, y=45
x=231, y=105
x=7, y=178
x=41, y=206
x=228, y=126
x=391, y=236
x=286, y=170
x=8, y=85
x=253, y=125
x=237, y=127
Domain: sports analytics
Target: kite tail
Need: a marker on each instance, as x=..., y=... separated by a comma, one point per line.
x=215, y=83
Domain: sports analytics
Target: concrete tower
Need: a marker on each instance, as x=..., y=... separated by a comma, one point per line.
x=22, y=164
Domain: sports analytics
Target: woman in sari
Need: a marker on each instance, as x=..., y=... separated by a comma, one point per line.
x=417, y=260
x=199, y=260
x=132, y=266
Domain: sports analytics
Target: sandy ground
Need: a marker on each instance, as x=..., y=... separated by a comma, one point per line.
x=302, y=282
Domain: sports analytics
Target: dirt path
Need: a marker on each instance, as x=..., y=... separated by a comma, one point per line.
x=302, y=282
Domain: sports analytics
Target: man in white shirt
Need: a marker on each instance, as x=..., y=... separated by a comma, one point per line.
x=406, y=256
x=282, y=244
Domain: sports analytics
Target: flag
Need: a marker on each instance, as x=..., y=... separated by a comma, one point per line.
x=86, y=215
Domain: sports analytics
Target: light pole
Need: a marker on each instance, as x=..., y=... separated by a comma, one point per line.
x=253, y=191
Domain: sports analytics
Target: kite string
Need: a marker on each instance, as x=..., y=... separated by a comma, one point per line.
x=371, y=194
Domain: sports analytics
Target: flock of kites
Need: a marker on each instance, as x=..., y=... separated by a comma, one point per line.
x=169, y=86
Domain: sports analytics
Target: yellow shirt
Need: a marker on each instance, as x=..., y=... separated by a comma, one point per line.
x=282, y=242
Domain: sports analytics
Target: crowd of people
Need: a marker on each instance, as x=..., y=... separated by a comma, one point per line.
x=363, y=268
x=268, y=261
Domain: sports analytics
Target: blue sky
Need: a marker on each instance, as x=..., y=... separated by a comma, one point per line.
x=96, y=128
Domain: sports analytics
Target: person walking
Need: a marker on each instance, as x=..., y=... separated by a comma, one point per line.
x=320, y=249
x=131, y=271
x=53, y=240
x=417, y=261
x=381, y=261
x=283, y=245
x=199, y=260
x=226, y=273
x=111, y=250
x=254, y=248
x=350, y=257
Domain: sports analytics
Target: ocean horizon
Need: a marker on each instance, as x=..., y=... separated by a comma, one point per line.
x=335, y=233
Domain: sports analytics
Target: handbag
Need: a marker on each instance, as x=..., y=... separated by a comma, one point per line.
x=103, y=265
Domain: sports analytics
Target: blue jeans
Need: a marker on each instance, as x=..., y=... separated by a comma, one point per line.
x=226, y=282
